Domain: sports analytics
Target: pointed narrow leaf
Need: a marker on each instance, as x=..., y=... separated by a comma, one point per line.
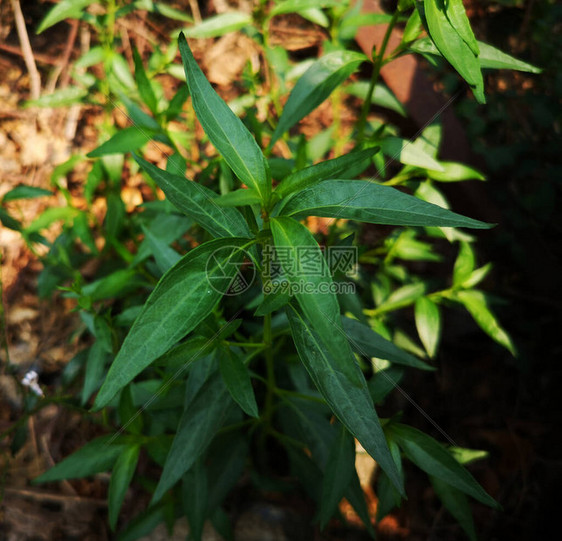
x=197, y=202
x=454, y=172
x=430, y=456
x=428, y=324
x=225, y=130
x=195, y=499
x=455, y=12
x=367, y=342
x=312, y=290
x=475, y=302
x=464, y=264
x=453, y=47
x=372, y=203
x=165, y=256
x=219, y=25
x=351, y=404
x=409, y=153
x=239, y=198
x=96, y=456
x=237, y=380
x=182, y=298
x=67, y=9
x=126, y=140
x=24, y=191
x=199, y=424
x=457, y=504
x=317, y=83
x=143, y=84
x=293, y=6
x=321, y=171
x=121, y=477
x=338, y=474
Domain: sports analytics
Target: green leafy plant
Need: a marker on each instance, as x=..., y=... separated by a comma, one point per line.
x=253, y=342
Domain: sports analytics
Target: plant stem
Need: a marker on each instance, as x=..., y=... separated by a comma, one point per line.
x=269, y=367
x=377, y=65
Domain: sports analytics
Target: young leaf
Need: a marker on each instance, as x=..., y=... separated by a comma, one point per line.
x=367, y=342
x=126, y=140
x=197, y=202
x=219, y=25
x=312, y=290
x=237, y=380
x=199, y=424
x=121, y=477
x=351, y=404
x=95, y=365
x=25, y=192
x=319, y=81
x=475, y=302
x=464, y=264
x=321, y=171
x=182, y=298
x=408, y=153
x=143, y=84
x=372, y=203
x=195, y=499
x=339, y=472
x=66, y=9
x=294, y=6
x=225, y=130
x=428, y=323
x=454, y=172
x=430, y=456
x=96, y=456
x=455, y=12
x=457, y=504
x=453, y=47
x=165, y=256
x=388, y=496
x=239, y=198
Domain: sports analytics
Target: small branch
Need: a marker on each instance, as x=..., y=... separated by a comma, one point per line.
x=34, y=78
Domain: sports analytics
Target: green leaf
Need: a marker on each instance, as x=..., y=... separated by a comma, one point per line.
x=182, y=298
x=382, y=96
x=294, y=6
x=388, y=496
x=199, y=423
x=163, y=9
x=9, y=221
x=143, y=84
x=176, y=106
x=143, y=523
x=457, y=504
x=408, y=153
x=428, y=323
x=126, y=140
x=66, y=9
x=195, y=493
x=476, y=303
x=367, y=342
x=454, y=172
x=464, y=264
x=339, y=473
x=351, y=404
x=272, y=301
x=430, y=456
x=321, y=171
x=453, y=47
x=50, y=215
x=219, y=25
x=121, y=477
x=95, y=366
x=318, y=82
x=239, y=198
x=312, y=290
x=25, y=192
x=493, y=58
x=372, y=203
x=225, y=130
x=238, y=382
x=165, y=256
x=59, y=98
x=197, y=202
x=489, y=58
x=96, y=456
x=455, y=12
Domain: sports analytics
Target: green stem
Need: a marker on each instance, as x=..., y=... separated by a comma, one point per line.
x=377, y=65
